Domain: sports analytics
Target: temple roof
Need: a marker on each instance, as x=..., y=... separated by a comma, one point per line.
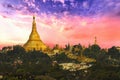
x=34, y=41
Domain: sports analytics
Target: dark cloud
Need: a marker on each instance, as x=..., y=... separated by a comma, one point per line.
x=8, y=5
x=4, y=16
x=118, y=14
x=75, y=7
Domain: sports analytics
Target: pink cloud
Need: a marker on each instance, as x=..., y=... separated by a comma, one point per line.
x=72, y=30
x=68, y=29
x=106, y=29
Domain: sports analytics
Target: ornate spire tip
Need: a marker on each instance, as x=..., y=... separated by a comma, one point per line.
x=33, y=17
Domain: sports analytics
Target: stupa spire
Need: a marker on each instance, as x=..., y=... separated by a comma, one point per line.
x=95, y=42
x=34, y=42
x=34, y=24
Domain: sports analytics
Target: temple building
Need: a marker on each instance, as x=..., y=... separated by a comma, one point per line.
x=34, y=42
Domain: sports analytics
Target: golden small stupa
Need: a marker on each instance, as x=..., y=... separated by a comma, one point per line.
x=34, y=42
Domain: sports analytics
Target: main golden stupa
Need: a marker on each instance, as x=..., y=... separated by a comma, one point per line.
x=34, y=42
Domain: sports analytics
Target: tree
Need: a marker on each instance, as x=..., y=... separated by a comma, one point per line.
x=95, y=51
x=95, y=48
x=7, y=48
x=61, y=58
x=56, y=47
x=67, y=47
x=87, y=52
x=113, y=51
x=18, y=49
x=77, y=49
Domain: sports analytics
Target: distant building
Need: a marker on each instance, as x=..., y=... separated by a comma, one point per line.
x=34, y=42
x=74, y=66
x=95, y=42
x=118, y=48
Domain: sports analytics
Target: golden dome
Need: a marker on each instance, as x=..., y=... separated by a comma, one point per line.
x=34, y=42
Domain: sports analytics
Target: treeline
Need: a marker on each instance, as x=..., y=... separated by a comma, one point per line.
x=17, y=64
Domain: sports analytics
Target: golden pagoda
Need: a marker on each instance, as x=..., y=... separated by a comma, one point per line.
x=34, y=42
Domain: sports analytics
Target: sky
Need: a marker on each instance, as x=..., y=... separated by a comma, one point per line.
x=61, y=21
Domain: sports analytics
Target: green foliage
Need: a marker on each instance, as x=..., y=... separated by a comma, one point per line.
x=62, y=58
x=58, y=73
x=92, y=51
x=37, y=65
x=77, y=49
x=18, y=49
x=95, y=48
x=10, y=78
x=103, y=72
x=34, y=62
x=114, y=52
x=67, y=47
x=87, y=52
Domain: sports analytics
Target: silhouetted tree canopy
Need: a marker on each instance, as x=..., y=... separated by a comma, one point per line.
x=77, y=49
x=17, y=64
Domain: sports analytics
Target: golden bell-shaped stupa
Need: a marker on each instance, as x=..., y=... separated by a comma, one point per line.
x=34, y=42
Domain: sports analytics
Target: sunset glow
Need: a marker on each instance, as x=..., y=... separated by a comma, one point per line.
x=61, y=22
